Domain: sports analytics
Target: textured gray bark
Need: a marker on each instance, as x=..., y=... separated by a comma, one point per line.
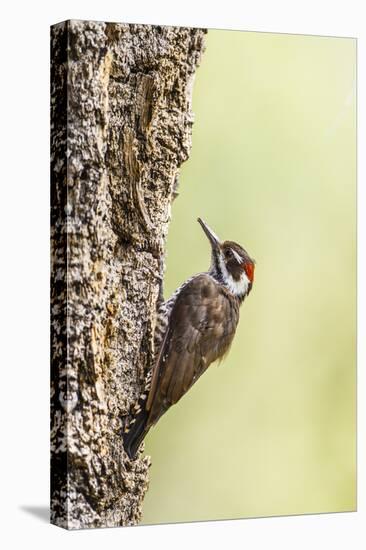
x=120, y=128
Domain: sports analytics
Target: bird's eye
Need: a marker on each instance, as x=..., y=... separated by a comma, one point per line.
x=228, y=254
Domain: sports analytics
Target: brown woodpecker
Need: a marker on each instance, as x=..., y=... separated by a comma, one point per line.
x=195, y=327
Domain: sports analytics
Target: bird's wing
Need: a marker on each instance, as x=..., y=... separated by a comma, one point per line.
x=202, y=325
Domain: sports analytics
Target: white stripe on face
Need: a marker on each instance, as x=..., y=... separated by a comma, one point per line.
x=238, y=288
x=237, y=256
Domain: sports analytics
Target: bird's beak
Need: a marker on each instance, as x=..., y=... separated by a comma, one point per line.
x=212, y=237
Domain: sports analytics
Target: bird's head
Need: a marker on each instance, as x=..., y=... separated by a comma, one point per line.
x=231, y=265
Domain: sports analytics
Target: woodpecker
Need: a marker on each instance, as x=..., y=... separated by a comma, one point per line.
x=195, y=327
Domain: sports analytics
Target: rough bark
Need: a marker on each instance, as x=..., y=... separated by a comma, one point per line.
x=120, y=128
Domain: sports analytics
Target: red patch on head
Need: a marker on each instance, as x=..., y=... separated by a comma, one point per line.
x=249, y=270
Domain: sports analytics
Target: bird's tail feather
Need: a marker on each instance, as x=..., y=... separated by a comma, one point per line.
x=135, y=434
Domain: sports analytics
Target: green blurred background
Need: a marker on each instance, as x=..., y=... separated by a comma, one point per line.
x=271, y=430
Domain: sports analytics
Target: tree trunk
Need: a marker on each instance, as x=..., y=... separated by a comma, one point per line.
x=120, y=128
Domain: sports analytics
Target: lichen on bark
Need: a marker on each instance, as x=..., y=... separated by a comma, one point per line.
x=121, y=125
